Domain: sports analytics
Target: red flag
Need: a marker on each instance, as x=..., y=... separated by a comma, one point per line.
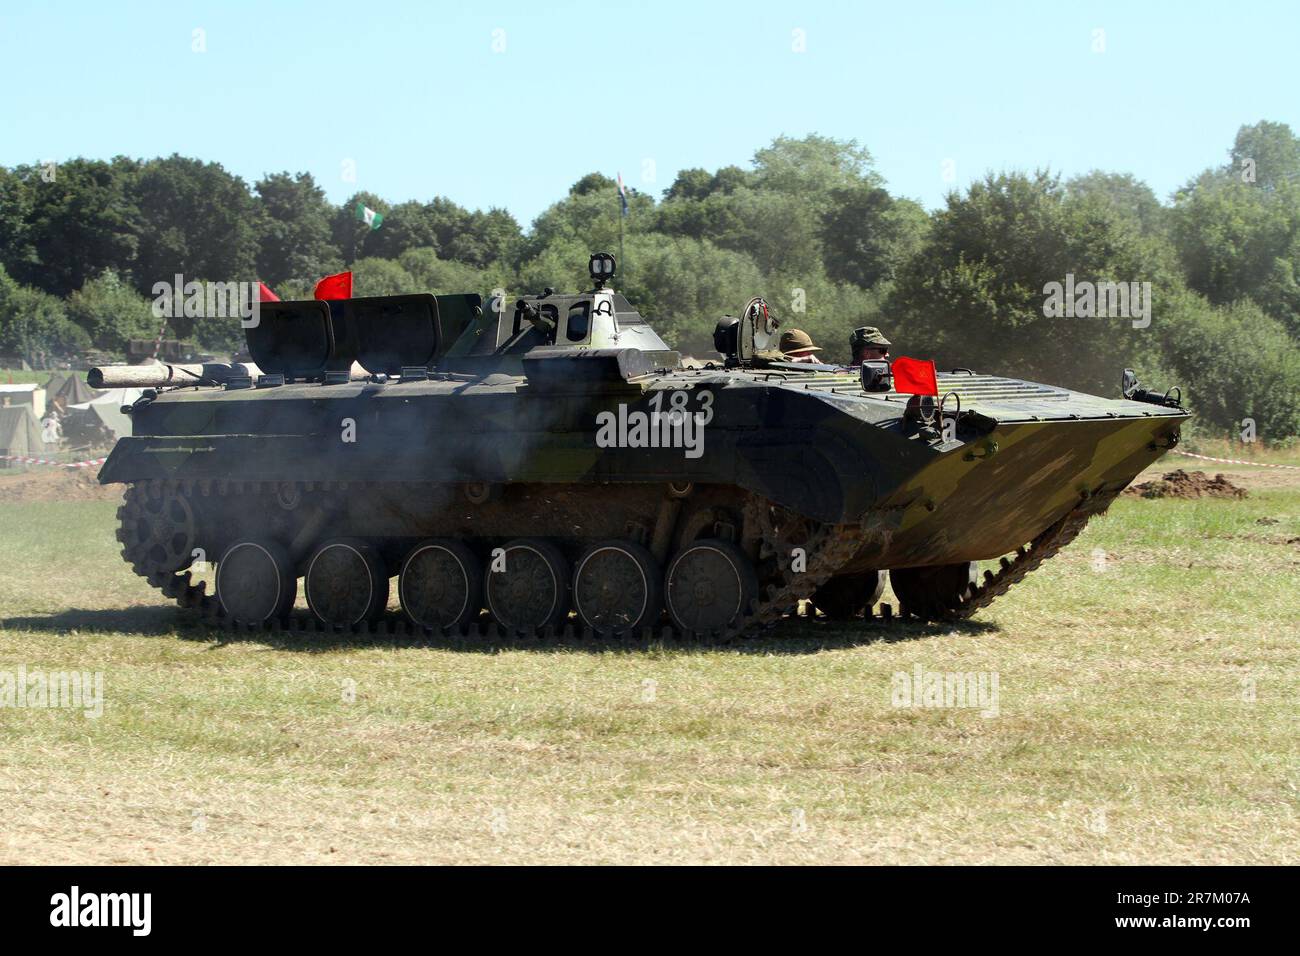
x=264, y=294
x=335, y=286
x=914, y=376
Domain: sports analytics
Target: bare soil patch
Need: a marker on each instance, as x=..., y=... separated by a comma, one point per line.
x=1187, y=484
x=50, y=483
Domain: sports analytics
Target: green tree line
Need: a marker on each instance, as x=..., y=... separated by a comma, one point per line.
x=810, y=224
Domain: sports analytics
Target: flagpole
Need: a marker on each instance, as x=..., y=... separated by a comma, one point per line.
x=622, y=214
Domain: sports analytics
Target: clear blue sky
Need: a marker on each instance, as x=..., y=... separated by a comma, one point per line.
x=417, y=96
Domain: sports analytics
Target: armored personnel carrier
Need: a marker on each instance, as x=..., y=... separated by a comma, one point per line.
x=548, y=462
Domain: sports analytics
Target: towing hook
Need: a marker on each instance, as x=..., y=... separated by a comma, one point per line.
x=1165, y=442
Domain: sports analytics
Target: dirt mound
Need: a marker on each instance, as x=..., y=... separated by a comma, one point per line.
x=1187, y=484
x=56, y=484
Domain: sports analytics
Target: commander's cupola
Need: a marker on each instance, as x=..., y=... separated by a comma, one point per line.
x=597, y=319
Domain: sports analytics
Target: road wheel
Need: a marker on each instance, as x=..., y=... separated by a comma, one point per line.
x=933, y=593
x=848, y=596
x=441, y=585
x=710, y=586
x=617, y=587
x=527, y=585
x=255, y=582
x=346, y=583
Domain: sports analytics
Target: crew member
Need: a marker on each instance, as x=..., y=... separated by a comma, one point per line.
x=797, y=346
x=868, y=345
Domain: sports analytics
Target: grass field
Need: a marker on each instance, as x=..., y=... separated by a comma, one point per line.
x=39, y=377
x=1146, y=713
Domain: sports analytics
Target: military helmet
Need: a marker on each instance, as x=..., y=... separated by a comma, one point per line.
x=868, y=335
x=796, y=340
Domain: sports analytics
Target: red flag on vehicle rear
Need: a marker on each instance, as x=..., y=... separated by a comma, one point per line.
x=914, y=376
x=335, y=287
x=264, y=293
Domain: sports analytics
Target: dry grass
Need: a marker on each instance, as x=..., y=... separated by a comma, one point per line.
x=1125, y=731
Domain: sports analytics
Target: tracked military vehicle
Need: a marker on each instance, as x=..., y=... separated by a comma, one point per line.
x=548, y=462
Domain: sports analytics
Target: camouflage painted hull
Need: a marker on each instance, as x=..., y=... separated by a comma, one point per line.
x=826, y=450
x=958, y=510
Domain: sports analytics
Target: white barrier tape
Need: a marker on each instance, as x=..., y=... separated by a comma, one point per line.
x=49, y=461
x=1235, y=461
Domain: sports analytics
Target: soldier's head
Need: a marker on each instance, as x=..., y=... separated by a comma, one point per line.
x=868, y=345
x=797, y=346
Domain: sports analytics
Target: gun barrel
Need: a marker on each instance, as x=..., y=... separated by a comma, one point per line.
x=159, y=375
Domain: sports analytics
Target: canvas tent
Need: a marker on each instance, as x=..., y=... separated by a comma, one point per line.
x=68, y=390
x=56, y=382
x=20, y=433
x=111, y=418
x=27, y=394
x=101, y=420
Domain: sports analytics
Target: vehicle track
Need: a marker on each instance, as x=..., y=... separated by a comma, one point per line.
x=827, y=548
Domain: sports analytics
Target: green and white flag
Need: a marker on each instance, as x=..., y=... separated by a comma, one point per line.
x=371, y=218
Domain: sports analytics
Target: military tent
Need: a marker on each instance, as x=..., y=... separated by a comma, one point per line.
x=20, y=434
x=24, y=394
x=111, y=418
x=69, y=390
x=100, y=421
